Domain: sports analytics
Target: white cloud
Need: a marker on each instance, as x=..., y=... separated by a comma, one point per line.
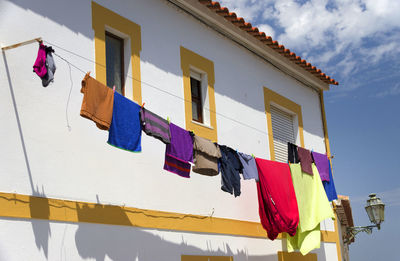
x=268, y=30
x=357, y=30
x=394, y=90
x=375, y=54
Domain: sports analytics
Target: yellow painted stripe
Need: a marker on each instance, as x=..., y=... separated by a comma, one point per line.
x=24, y=206
x=296, y=256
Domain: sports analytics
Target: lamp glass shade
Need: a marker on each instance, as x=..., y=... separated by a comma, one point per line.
x=375, y=209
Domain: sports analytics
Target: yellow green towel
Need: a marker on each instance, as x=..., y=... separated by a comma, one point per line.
x=313, y=206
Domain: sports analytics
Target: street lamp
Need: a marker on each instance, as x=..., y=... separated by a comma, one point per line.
x=376, y=212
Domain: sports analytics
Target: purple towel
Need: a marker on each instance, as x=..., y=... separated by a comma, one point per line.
x=322, y=163
x=179, y=152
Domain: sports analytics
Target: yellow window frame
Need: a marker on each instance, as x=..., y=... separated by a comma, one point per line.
x=190, y=60
x=271, y=97
x=102, y=17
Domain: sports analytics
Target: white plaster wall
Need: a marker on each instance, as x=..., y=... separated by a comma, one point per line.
x=42, y=240
x=78, y=164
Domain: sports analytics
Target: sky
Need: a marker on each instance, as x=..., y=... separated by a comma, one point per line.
x=356, y=42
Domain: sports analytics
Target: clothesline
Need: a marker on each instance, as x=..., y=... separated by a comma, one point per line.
x=152, y=86
x=291, y=197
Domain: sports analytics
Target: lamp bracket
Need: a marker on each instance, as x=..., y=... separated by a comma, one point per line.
x=353, y=231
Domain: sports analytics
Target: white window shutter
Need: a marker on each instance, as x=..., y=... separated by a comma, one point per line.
x=283, y=132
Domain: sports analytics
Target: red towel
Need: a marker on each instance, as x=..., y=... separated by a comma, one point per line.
x=276, y=198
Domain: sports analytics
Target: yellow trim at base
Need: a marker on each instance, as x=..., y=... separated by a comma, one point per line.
x=102, y=17
x=296, y=256
x=24, y=206
x=273, y=97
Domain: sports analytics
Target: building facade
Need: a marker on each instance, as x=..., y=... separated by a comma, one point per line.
x=65, y=194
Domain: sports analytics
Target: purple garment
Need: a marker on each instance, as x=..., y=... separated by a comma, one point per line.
x=179, y=152
x=40, y=64
x=322, y=163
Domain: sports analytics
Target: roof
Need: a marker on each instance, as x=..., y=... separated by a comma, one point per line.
x=267, y=40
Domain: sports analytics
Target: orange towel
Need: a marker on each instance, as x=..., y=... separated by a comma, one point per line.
x=97, y=104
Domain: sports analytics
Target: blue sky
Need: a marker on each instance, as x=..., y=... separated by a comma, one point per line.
x=357, y=42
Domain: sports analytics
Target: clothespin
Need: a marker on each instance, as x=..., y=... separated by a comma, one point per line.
x=253, y=155
x=143, y=105
x=168, y=119
x=114, y=89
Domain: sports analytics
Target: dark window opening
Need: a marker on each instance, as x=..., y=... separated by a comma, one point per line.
x=197, y=107
x=115, y=62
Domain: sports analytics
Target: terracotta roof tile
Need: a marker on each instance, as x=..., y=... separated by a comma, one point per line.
x=255, y=32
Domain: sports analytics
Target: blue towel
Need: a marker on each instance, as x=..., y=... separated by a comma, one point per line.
x=329, y=186
x=125, y=130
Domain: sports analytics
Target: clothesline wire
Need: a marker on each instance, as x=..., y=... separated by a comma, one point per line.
x=152, y=86
x=70, y=90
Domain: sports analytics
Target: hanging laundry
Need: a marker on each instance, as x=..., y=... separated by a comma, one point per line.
x=44, y=65
x=313, y=206
x=155, y=126
x=97, y=103
x=39, y=66
x=179, y=152
x=125, y=129
x=276, y=198
x=305, y=160
x=249, y=166
x=230, y=169
x=50, y=67
x=329, y=186
x=206, y=155
x=293, y=157
x=322, y=163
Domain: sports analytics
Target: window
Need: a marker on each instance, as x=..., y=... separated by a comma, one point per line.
x=282, y=131
x=197, y=103
x=285, y=124
x=115, y=62
x=107, y=45
x=198, y=84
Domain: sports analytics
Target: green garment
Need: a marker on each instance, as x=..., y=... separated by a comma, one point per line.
x=314, y=207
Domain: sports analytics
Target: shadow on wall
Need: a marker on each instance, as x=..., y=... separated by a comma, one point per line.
x=251, y=70
x=124, y=241
x=40, y=209
x=132, y=243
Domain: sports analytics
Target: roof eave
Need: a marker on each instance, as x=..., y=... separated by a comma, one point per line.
x=226, y=28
